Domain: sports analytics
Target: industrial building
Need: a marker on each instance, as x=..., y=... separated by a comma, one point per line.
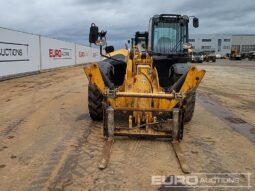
x=243, y=43
x=223, y=43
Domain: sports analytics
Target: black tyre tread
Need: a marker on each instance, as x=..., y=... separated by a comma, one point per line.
x=189, y=107
x=95, y=99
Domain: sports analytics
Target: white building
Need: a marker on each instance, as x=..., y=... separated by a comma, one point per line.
x=222, y=43
x=243, y=43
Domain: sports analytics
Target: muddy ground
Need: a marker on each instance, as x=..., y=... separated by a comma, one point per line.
x=48, y=141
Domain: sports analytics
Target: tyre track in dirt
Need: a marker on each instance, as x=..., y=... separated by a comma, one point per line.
x=72, y=167
x=12, y=125
x=81, y=167
x=45, y=134
x=132, y=164
x=57, y=158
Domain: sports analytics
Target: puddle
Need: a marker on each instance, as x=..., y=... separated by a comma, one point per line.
x=236, y=123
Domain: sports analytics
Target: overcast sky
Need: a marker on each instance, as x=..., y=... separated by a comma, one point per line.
x=70, y=19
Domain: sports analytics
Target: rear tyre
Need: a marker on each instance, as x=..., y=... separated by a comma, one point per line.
x=95, y=103
x=189, y=106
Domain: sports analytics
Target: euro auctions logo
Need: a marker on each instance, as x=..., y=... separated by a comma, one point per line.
x=95, y=54
x=61, y=53
x=83, y=54
x=205, y=180
x=13, y=52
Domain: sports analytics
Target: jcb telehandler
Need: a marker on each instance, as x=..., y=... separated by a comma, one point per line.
x=149, y=91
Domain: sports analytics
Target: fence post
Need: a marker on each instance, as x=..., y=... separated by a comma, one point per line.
x=75, y=60
x=40, y=53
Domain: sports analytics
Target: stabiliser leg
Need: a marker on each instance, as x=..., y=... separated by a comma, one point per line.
x=175, y=143
x=105, y=158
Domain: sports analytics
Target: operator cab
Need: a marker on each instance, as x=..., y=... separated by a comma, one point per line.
x=168, y=34
x=168, y=43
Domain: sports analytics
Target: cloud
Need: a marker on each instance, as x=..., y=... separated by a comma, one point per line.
x=70, y=19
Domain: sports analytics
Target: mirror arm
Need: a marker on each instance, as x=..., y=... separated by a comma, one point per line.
x=101, y=35
x=105, y=56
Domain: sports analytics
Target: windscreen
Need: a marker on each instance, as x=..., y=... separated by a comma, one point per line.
x=168, y=38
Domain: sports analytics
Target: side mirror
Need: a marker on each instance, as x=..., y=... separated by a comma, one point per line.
x=195, y=22
x=93, y=33
x=109, y=49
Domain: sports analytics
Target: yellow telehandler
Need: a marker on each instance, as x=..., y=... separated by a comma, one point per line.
x=147, y=91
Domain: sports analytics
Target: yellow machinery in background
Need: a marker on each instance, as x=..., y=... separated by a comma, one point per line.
x=235, y=55
x=136, y=97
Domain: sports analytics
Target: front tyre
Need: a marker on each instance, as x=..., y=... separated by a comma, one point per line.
x=95, y=100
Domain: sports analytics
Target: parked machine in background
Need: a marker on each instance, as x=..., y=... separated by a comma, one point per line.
x=235, y=54
x=197, y=56
x=149, y=91
x=209, y=55
x=251, y=55
x=244, y=55
x=141, y=40
x=219, y=56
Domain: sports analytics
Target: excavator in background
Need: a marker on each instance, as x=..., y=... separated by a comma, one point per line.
x=149, y=91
